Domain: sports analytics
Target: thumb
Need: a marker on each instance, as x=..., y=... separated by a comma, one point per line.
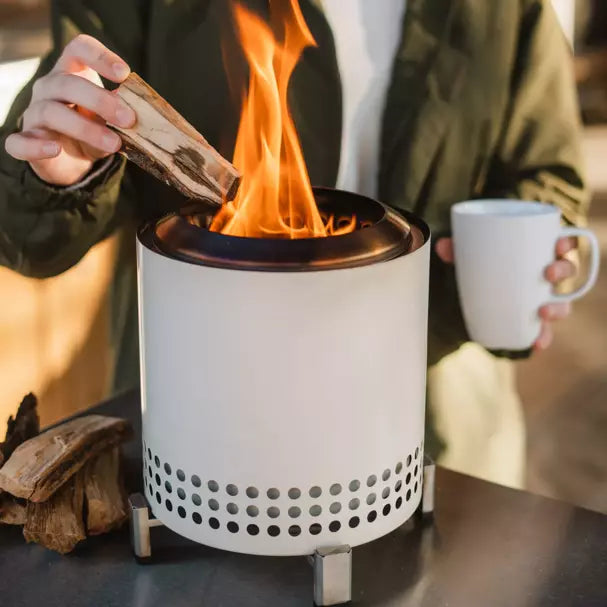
x=444, y=249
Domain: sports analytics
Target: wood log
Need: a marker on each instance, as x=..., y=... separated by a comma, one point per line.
x=12, y=510
x=25, y=425
x=58, y=523
x=171, y=149
x=105, y=494
x=41, y=465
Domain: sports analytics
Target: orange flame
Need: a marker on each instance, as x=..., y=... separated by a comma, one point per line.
x=275, y=198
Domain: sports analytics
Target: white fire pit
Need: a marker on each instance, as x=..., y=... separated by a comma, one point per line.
x=283, y=381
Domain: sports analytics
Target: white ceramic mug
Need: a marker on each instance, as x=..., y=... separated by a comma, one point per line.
x=502, y=250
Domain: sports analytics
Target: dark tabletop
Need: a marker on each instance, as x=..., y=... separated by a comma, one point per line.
x=488, y=547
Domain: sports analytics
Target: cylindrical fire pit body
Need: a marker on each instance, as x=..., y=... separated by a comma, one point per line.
x=283, y=411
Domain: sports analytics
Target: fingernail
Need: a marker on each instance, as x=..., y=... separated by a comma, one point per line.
x=125, y=116
x=111, y=142
x=50, y=149
x=121, y=71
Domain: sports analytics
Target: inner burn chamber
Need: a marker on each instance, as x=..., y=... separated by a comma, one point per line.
x=283, y=410
x=381, y=234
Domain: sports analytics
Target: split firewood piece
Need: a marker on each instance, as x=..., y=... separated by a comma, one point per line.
x=38, y=467
x=25, y=425
x=12, y=510
x=171, y=149
x=58, y=523
x=105, y=494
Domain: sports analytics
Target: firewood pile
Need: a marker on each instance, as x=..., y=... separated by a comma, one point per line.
x=64, y=484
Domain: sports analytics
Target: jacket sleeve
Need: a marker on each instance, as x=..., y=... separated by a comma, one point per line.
x=539, y=155
x=44, y=230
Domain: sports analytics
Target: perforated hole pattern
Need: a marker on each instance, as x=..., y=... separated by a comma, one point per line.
x=348, y=503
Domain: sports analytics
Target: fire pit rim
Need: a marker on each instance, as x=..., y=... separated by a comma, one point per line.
x=392, y=234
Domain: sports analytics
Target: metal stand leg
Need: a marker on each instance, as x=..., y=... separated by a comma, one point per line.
x=427, y=505
x=141, y=523
x=332, y=576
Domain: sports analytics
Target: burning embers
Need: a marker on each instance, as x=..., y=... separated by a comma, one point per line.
x=275, y=198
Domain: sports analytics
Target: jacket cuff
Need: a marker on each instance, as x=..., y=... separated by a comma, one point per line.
x=97, y=171
x=102, y=174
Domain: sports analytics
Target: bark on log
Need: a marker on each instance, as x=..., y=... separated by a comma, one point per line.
x=41, y=465
x=12, y=510
x=105, y=494
x=171, y=149
x=25, y=425
x=58, y=523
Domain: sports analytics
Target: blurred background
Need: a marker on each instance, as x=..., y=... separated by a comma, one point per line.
x=53, y=332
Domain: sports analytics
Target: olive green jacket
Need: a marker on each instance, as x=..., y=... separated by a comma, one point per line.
x=482, y=103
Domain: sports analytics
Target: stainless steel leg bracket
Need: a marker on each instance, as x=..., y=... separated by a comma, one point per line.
x=332, y=575
x=141, y=523
x=427, y=505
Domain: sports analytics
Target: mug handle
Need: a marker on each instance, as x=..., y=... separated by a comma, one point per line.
x=593, y=273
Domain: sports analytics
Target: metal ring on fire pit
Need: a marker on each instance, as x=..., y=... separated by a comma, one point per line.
x=381, y=234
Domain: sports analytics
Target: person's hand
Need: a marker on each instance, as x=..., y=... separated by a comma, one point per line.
x=556, y=272
x=64, y=128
